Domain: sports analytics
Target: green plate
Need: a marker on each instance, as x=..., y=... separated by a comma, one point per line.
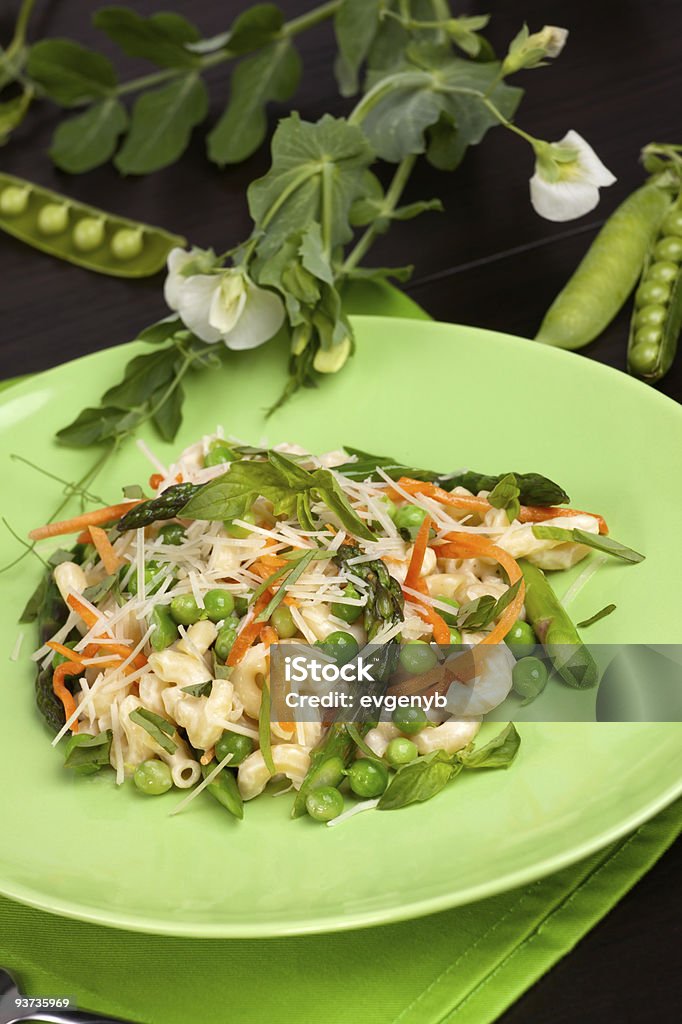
x=434, y=394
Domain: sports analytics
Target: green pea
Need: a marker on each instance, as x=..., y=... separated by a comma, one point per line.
x=233, y=743
x=172, y=533
x=455, y=636
x=664, y=271
x=651, y=316
x=344, y=646
x=126, y=243
x=14, y=200
x=241, y=605
x=324, y=804
x=521, y=639
x=153, y=777
x=88, y=234
x=348, y=612
x=643, y=358
x=240, y=531
x=219, y=452
x=185, y=610
x=283, y=622
x=648, y=336
x=224, y=641
x=409, y=719
x=53, y=218
x=672, y=225
x=417, y=657
x=652, y=293
x=449, y=617
x=669, y=248
x=218, y=604
x=368, y=777
x=529, y=678
x=166, y=631
x=409, y=516
x=152, y=580
x=401, y=751
x=59, y=659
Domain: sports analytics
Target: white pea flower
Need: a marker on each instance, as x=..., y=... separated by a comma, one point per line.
x=225, y=305
x=567, y=179
x=529, y=51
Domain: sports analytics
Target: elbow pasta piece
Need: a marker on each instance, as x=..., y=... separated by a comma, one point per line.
x=318, y=619
x=228, y=553
x=175, y=667
x=151, y=690
x=199, y=638
x=203, y=717
x=289, y=759
x=185, y=771
x=378, y=738
x=520, y=542
x=490, y=686
x=69, y=578
x=138, y=744
x=243, y=678
x=450, y=736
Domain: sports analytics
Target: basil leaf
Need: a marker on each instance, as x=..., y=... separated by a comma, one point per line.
x=230, y=495
x=279, y=595
x=199, y=689
x=159, y=39
x=355, y=24
x=601, y=614
x=36, y=600
x=366, y=465
x=89, y=139
x=271, y=75
x=160, y=729
x=419, y=781
x=161, y=125
x=498, y=753
x=88, y=754
x=264, y=739
x=70, y=73
x=590, y=540
x=478, y=614
x=505, y=494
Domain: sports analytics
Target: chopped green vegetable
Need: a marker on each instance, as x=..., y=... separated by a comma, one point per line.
x=591, y=540
x=160, y=729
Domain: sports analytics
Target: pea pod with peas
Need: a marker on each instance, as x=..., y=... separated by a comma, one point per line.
x=82, y=234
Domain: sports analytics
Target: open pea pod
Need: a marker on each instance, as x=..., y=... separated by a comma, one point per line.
x=657, y=317
x=82, y=234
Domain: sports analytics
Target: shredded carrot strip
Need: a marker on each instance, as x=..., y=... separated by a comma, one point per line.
x=95, y=518
x=441, y=630
x=105, y=549
x=249, y=633
x=269, y=636
x=83, y=537
x=67, y=668
x=66, y=651
x=528, y=513
x=273, y=561
x=470, y=545
x=88, y=617
x=155, y=481
x=90, y=620
x=420, y=545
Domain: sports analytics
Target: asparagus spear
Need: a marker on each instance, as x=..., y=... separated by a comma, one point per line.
x=167, y=506
x=385, y=601
x=327, y=765
x=556, y=631
x=224, y=789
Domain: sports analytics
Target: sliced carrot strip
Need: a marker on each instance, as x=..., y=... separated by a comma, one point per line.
x=269, y=636
x=67, y=668
x=155, y=481
x=88, y=616
x=95, y=518
x=105, y=549
x=441, y=630
x=249, y=632
x=420, y=545
x=469, y=545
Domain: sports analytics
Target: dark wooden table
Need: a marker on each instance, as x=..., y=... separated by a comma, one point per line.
x=488, y=260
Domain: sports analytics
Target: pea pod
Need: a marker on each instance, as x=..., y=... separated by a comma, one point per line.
x=607, y=273
x=556, y=631
x=81, y=234
x=657, y=317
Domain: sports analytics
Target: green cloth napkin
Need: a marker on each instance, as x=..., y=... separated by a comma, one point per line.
x=463, y=966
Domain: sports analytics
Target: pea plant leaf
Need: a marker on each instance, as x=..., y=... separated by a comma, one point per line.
x=254, y=28
x=13, y=112
x=160, y=38
x=161, y=125
x=70, y=73
x=144, y=375
x=168, y=416
x=94, y=425
x=315, y=167
x=89, y=139
x=355, y=24
x=272, y=74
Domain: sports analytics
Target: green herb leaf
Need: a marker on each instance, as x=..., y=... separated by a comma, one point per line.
x=224, y=789
x=89, y=139
x=160, y=729
x=254, y=28
x=314, y=167
x=199, y=689
x=13, y=112
x=534, y=489
x=419, y=781
x=357, y=739
x=143, y=376
x=601, y=614
x=36, y=600
x=159, y=39
x=94, y=425
x=264, y=740
x=499, y=753
x=88, y=754
x=277, y=598
x=271, y=75
x=590, y=540
x=161, y=125
x=355, y=24
x=168, y=415
x=70, y=73
x=505, y=494
x=97, y=591
x=479, y=613
x=162, y=330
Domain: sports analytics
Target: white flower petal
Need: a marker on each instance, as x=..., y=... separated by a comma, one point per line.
x=555, y=39
x=177, y=258
x=562, y=200
x=196, y=295
x=262, y=317
x=591, y=168
x=228, y=302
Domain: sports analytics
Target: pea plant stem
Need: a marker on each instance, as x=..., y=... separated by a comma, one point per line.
x=395, y=190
